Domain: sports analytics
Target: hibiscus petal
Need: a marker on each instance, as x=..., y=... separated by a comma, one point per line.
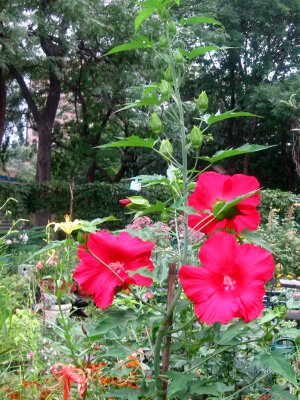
x=250, y=220
x=254, y=263
x=240, y=184
x=250, y=301
x=220, y=307
x=217, y=253
x=98, y=281
x=198, y=283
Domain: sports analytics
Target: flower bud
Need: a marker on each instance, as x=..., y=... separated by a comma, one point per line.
x=81, y=237
x=164, y=87
x=155, y=123
x=166, y=148
x=202, y=102
x=168, y=74
x=178, y=57
x=162, y=43
x=84, y=331
x=196, y=137
x=124, y=202
x=171, y=28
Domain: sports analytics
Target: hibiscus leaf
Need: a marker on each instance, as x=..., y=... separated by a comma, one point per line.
x=188, y=210
x=213, y=119
x=144, y=271
x=110, y=320
x=200, y=51
x=233, y=331
x=50, y=246
x=278, y=393
x=157, y=207
x=256, y=239
x=201, y=20
x=178, y=383
x=91, y=226
x=130, y=141
x=224, y=209
x=140, y=18
x=123, y=394
x=141, y=42
x=213, y=389
x=245, y=149
x=278, y=362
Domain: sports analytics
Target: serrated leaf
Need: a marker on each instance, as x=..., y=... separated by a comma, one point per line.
x=179, y=382
x=256, y=239
x=130, y=141
x=146, y=101
x=144, y=271
x=278, y=362
x=245, y=149
x=110, y=320
x=213, y=389
x=141, y=42
x=233, y=331
x=140, y=18
x=213, y=119
x=269, y=316
x=200, y=51
x=188, y=210
x=201, y=20
x=87, y=226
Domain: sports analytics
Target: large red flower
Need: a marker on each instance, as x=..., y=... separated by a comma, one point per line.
x=213, y=191
x=119, y=255
x=230, y=282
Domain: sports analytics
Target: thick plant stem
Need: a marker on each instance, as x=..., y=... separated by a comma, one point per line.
x=161, y=388
x=167, y=338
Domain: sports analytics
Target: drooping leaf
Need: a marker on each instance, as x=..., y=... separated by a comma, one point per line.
x=245, y=149
x=144, y=271
x=212, y=389
x=201, y=20
x=279, y=363
x=140, y=42
x=233, y=331
x=130, y=141
x=110, y=320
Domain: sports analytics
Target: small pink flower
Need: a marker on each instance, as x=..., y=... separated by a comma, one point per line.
x=148, y=295
x=39, y=265
x=30, y=356
x=52, y=260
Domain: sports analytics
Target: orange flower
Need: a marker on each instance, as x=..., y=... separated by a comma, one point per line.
x=68, y=374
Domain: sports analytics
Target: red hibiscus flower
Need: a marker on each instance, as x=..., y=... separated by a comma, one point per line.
x=108, y=267
x=230, y=282
x=213, y=191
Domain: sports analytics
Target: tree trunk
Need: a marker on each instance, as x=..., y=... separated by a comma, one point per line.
x=2, y=105
x=43, y=168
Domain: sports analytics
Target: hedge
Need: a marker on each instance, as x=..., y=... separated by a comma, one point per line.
x=101, y=199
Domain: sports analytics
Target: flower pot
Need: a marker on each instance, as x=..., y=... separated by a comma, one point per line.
x=51, y=314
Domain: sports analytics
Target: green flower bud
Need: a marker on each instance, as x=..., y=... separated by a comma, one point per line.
x=166, y=148
x=155, y=123
x=162, y=43
x=168, y=74
x=164, y=14
x=202, y=102
x=196, y=137
x=164, y=87
x=178, y=57
x=171, y=28
x=164, y=216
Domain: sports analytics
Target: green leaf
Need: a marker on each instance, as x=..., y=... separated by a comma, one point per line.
x=140, y=18
x=233, y=331
x=157, y=207
x=91, y=227
x=144, y=271
x=254, y=238
x=141, y=42
x=268, y=316
x=188, y=210
x=278, y=393
x=213, y=119
x=214, y=389
x=201, y=20
x=223, y=209
x=278, y=362
x=127, y=394
x=179, y=382
x=200, y=51
x=146, y=101
x=245, y=149
x=110, y=320
x=51, y=246
x=130, y=141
